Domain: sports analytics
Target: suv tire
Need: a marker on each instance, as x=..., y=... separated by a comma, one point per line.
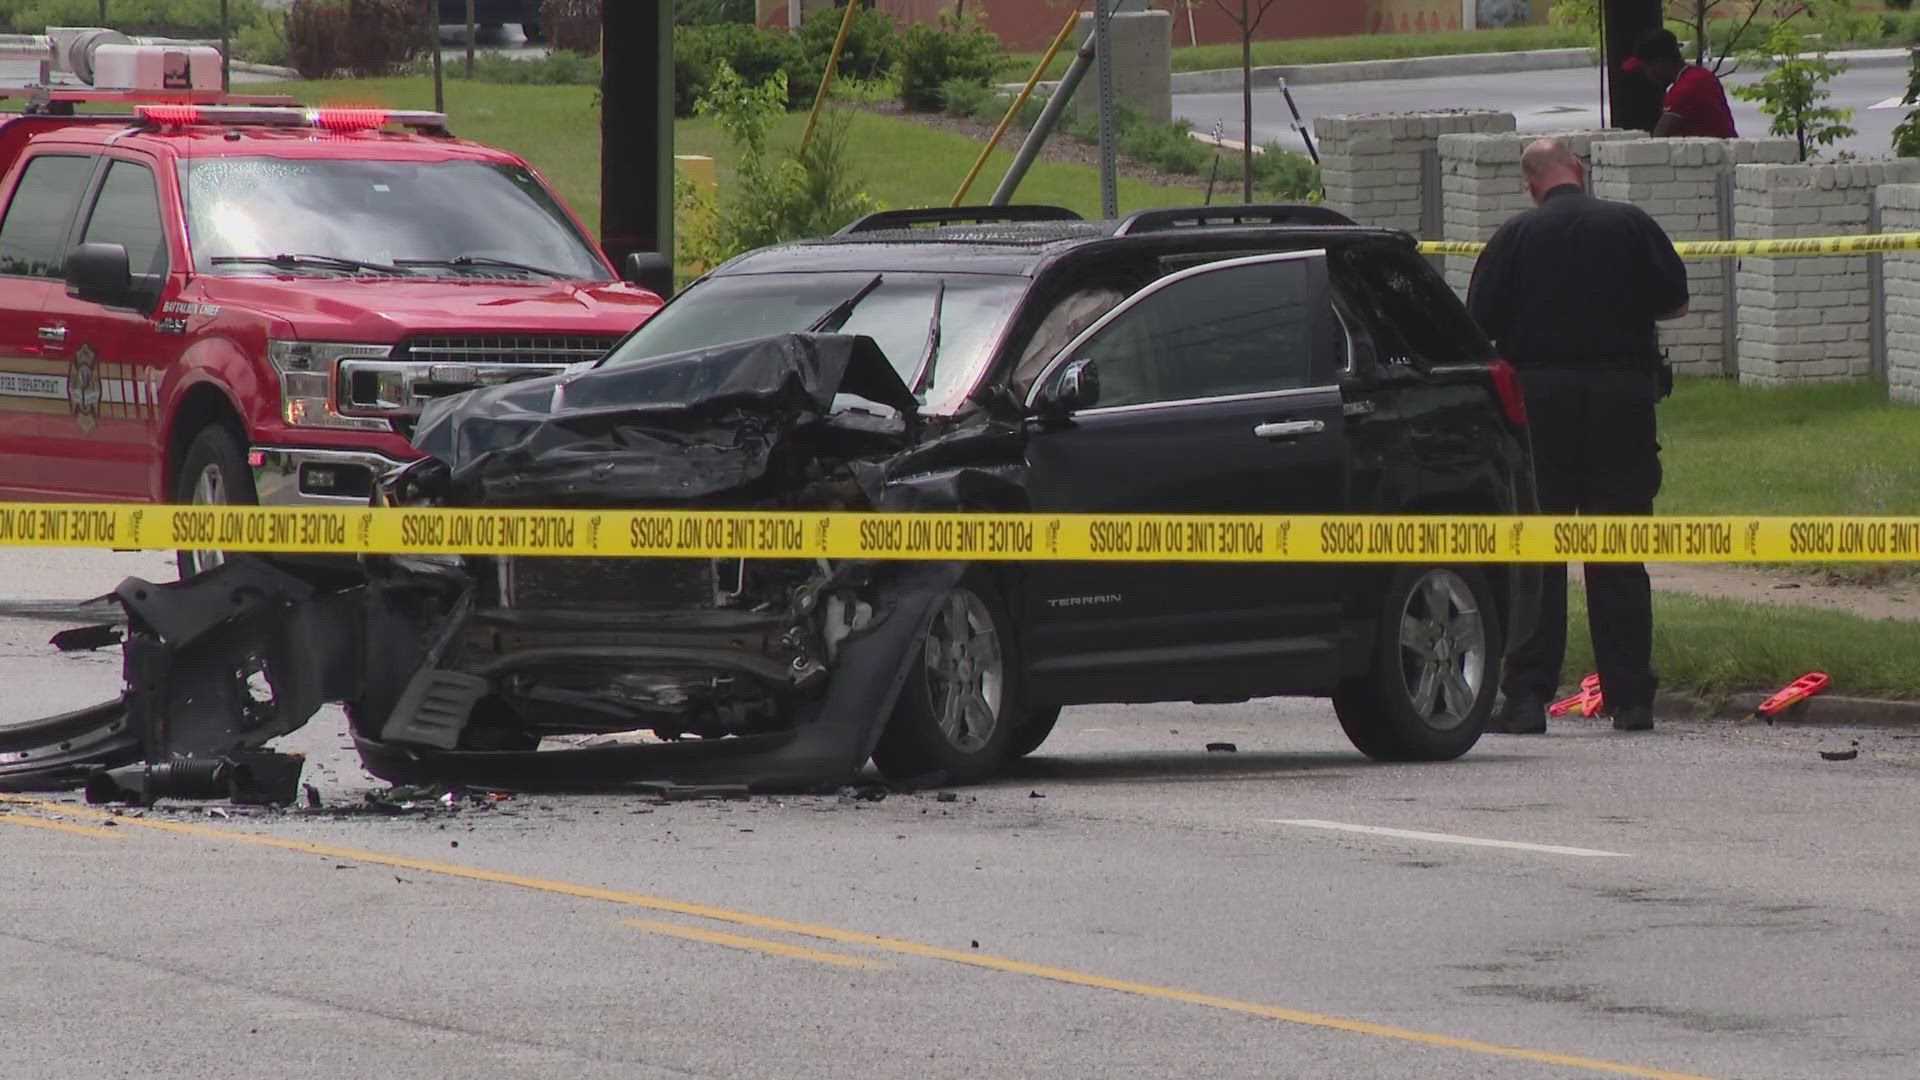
x=1033, y=731
x=1436, y=665
x=956, y=708
x=214, y=473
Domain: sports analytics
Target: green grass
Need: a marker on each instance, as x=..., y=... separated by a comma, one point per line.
x=1827, y=449
x=557, y=129
x=1334, y=50
x=1713, y=647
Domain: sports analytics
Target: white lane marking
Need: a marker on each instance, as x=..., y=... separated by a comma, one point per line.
x=1891, y=103
x=1446, y=838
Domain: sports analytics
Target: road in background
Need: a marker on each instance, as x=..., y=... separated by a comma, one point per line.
x=1563, y=100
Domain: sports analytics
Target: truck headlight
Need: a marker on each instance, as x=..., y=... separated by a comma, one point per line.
x=307, y=376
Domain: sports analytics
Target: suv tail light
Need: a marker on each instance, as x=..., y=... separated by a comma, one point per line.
x=1506, y=383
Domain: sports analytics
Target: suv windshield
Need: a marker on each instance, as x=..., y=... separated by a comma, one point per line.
x=898, y=313
x=458, y=219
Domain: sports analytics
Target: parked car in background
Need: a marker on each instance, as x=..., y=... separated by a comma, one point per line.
x=494, y=14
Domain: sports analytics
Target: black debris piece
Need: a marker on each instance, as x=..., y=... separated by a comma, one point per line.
x=313, y=796
x=672, y=792
x=947, y=796
x=84, y=638
x=1035, y=795
x=1839, y=755
x=1222, y=748
x=863, y=793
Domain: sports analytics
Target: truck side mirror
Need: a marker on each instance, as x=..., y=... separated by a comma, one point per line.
x=100, y=274
x=1074, y=387
x=651, y=271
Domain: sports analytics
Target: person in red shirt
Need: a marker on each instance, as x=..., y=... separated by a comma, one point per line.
x=1695, y=104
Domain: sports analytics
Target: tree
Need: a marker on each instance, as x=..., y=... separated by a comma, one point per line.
x=1248, y=19
x=1720, y=31
x=1791, y=93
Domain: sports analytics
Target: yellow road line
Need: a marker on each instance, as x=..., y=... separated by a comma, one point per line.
x=62, y=826
x=895, y=945
x=734, y=941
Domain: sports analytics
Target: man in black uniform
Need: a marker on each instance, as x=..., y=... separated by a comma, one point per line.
x=1570, y=292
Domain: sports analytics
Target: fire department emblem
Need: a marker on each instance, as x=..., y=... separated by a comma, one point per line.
x=83, y=389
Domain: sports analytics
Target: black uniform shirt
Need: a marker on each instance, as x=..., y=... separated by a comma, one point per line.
x=1577, y=281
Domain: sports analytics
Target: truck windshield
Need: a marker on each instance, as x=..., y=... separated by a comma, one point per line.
x=449, y=219
x=899, y=313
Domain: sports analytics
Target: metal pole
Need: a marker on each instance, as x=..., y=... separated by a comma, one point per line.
x=226, y=49
x=103, y=12
x=1049, y=119
x=826, y=79
x=439, y=81
x=470, y=36
x=1109, y=166
x=1013, y=110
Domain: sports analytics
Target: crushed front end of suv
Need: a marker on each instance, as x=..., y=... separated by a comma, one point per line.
x=1251, y=360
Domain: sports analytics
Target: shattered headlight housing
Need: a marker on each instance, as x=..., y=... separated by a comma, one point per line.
x=307, y=379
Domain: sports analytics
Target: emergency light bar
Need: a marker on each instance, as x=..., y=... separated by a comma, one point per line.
x=325, y=119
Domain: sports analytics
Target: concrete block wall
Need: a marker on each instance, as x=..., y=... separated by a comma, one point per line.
x=1900, y=212
x=1142, y=61
x=1679, y=182
x=1482, y=185
x=1807, y=318
x=1373, y=165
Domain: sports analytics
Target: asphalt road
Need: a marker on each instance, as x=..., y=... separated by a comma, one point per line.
x=1540, y=101
x=1702, y=901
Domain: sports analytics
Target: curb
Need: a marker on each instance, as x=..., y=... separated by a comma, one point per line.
x=1223, y=80
x=1819, y=711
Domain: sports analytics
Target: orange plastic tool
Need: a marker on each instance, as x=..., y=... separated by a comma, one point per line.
x=1798, y=690
x=1588, y=700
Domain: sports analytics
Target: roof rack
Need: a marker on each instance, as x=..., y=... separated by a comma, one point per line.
x=60, y=100
x=957, y=215
x=1146, y=221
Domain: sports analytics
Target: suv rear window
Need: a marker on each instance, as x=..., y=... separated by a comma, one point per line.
x=1410, y=309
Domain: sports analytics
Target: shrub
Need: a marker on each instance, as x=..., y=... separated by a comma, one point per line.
x=865, y=91
x=1168, y=147
x=1287, y=176
x=182, y=18
x=966, y=97
x=264, y=42
x=710, y=12
x=558, y=68
x=572, y=25
x=930, y=57
x=775, y=197
x=755, y=54
x=368, y=38
x=1084, y=123
x=871, y=42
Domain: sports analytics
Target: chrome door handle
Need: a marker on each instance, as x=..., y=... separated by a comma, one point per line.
x=53, y=335
x=1289, y=429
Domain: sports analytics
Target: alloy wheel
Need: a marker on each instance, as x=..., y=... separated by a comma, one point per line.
x=965, y=671
x=1443, y=649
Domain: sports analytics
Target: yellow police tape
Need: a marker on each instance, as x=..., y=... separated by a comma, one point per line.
x=1721, y=249
x=968, y=536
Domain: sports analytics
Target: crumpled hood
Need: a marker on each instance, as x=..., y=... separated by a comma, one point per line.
x=388, y=309
x=676, y=428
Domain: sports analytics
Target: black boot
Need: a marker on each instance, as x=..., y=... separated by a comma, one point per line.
x=1633, y=718
x=1524, y=714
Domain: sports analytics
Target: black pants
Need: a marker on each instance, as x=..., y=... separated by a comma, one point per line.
x=1595, y=452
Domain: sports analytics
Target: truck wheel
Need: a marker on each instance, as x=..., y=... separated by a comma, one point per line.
x=1033, y=731
x=213, y=474
x=1436, y=665
x=956, y=709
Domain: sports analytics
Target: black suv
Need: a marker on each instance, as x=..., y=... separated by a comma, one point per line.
x=1245, y=360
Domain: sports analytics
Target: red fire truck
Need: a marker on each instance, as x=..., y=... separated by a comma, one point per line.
x=221, y=298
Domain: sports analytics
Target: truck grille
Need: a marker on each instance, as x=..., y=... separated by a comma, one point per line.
x=609, y=584
x=507, y=348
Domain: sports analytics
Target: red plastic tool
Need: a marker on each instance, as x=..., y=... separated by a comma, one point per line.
x=1588, y=700
x=1797, y=691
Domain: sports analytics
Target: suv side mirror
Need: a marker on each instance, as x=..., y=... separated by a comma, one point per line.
x=651, y=271
x=100, y=274
x=1074, y=387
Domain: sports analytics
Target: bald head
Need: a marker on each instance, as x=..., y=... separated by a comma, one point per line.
x=1548, y=164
